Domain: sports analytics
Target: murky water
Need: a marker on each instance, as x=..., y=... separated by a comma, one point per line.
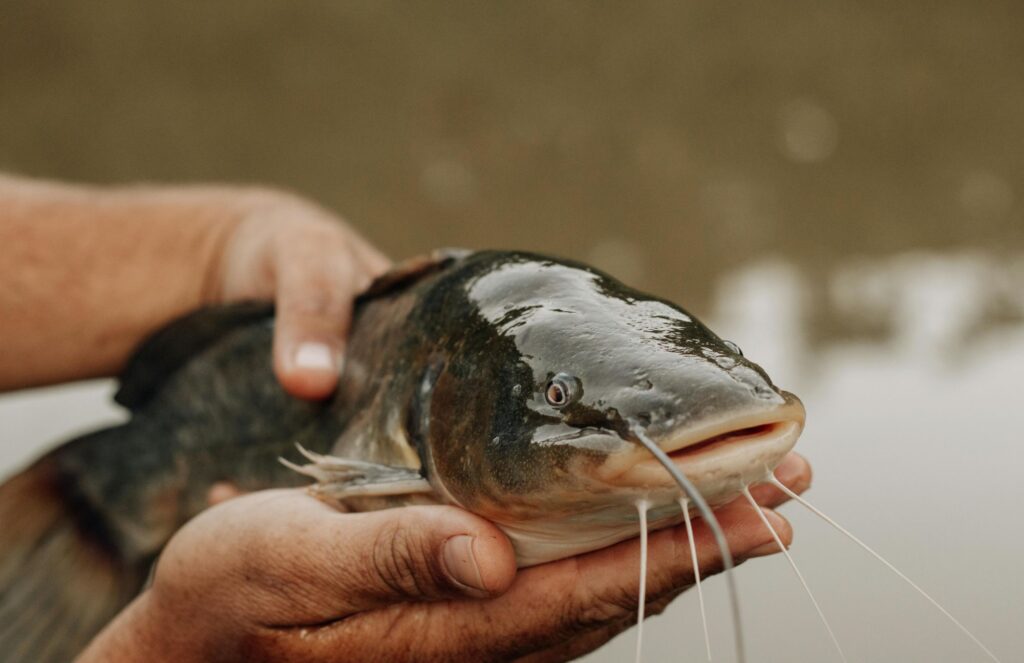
x=916, y=439
x=839, y=188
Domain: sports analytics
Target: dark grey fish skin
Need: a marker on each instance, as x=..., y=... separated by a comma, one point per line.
x=445, y=387
x=482, y=342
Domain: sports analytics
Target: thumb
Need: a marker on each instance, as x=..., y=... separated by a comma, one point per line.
x=426, y=553
x=306, y=562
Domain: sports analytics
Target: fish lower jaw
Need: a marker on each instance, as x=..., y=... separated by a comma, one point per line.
x=720, y=467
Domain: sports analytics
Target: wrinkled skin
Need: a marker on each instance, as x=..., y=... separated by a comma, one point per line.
x=297, y=603
x=483, y=340
x=446, y=372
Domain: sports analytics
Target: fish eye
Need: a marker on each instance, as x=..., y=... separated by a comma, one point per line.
x=735, y=349
x=562, y=390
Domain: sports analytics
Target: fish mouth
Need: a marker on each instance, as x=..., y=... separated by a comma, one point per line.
x=720, y=457
x=737, y=436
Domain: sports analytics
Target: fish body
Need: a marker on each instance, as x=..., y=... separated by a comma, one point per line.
x=463, y=398
x=510, y=384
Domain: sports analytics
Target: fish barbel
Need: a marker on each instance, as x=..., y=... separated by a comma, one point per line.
x=529, y=390
x=510, y=387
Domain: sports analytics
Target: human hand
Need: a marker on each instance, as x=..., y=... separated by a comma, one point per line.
x=279, y=576
x=143, y=256
x=313, y=266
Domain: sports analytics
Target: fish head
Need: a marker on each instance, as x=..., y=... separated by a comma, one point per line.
x=556, y=371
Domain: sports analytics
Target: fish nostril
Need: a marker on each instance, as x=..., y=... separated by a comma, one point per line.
x=725, y=361
x=644, y=385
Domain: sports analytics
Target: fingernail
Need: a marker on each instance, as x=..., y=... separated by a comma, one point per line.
x=461, y=566
x=315, y=356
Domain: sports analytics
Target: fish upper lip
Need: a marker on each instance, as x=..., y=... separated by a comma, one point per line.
x=747, y=440
x=749, y=425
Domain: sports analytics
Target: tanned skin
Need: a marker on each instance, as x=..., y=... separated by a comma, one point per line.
x=276, y=575
x=89, y=272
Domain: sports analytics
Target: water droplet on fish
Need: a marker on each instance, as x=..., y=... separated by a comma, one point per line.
x=735, y=349
x=517, y=389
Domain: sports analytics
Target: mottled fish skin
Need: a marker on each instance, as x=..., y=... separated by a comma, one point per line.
x=443, y=387
x=489, y=333
x=83, y=525
x=222, y=416
x=445, y=374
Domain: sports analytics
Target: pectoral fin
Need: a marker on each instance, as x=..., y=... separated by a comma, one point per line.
x=343, y=478
x=412, y=270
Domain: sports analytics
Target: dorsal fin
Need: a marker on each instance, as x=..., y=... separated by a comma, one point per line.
x=172, y=346
x=412, y=269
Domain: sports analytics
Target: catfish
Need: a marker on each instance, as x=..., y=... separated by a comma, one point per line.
x=517, y=386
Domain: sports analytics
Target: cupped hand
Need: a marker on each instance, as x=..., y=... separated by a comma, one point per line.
x=279, y=576
x=313, y=266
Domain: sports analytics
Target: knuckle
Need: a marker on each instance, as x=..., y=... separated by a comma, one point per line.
x=600, y=608
x=270, y=573
x=402, y=638
x=401, y=562
x=588, y=609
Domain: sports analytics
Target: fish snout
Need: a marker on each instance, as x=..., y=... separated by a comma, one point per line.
x=720, y=454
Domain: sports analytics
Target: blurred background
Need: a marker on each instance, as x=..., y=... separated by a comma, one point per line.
x=839, y=188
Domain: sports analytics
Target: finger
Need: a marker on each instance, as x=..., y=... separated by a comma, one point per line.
x=591, y=640
x=375, y=262
x=425, y=553
x=794, y=471
x=371, y=267
x=551, y=603
x=307, y=563
x=547, y=605
x=222, y=491
x=603, y=595
x=579, y=645
x=317, y=281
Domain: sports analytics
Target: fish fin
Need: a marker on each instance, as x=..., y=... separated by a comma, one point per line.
x=412, y=270
x=60, y=581
x=173, y=346
x=341, y=478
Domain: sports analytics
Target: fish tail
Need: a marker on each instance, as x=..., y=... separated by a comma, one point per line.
x=61, y=579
